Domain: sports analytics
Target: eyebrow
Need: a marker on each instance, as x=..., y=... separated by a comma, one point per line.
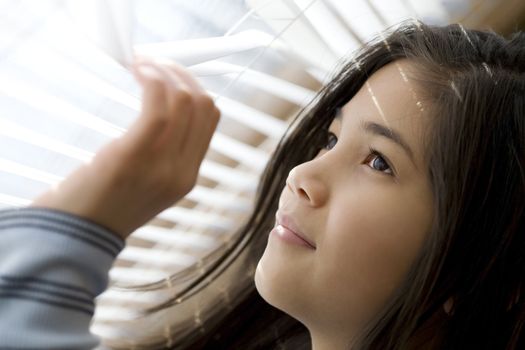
x=381, y=130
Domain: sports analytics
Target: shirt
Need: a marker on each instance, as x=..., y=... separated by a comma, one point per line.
x=52, y=266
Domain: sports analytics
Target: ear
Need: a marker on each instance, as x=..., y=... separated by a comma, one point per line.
x=447, y=306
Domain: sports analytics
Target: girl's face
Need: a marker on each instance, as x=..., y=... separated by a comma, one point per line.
x=366, y=212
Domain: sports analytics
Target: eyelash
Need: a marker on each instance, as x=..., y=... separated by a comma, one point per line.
x=373, y=152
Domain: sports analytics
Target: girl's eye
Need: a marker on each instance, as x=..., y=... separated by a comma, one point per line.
x=377, y=162
x=375, y=159
x=330, y=139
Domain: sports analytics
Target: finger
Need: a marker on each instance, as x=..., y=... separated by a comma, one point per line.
x=152, y=119
x=182, y=109
x=200, y=124
x=199, y=138
x=183, y=73
x=174, y=80
x=204, y=119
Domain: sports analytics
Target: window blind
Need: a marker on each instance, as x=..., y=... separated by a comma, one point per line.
x=65, y=92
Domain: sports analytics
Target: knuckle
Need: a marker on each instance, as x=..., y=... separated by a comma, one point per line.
x=216, y=113
x=187, y=183
x=182, y=97
x=206, y=102
x=158, y=121
x=155, y=83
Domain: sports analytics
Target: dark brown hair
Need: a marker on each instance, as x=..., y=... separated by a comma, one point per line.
x=472, y=84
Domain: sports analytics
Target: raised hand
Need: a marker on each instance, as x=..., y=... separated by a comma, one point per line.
x=153, y=165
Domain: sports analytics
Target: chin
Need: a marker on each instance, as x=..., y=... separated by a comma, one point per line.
x=276, y=279
x=271, y=285
x=259, y=280
x=265, y=282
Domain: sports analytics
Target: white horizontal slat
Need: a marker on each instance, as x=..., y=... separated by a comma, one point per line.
x=61, y=33
x=108, y=23
x=329, y=27
x=251, y=117
x=196, y=218
x=105, y=331
x=18, y=169
x=292, y=27
x=360, y=17
x=190, y=52
x=175, y=237
x=154, y=256
x=221, y=144
x=12, y=130
x=236, y=179
x=220, y=199
x=113, y=330
x=136, y=275
x=114, y=295
x=250, y=156
x=38, y=99
x=433, y=11
x=52, y=66
x=392, y=11
x=278, y=87
x=114, y=313
x=16, y=21
x=239, y=151
x=7, y=201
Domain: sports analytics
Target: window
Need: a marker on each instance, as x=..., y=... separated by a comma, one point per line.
x=65, y=93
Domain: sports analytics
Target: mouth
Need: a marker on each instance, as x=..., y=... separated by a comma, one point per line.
x=289, y=224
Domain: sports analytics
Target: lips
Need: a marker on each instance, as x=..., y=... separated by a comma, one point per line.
x=288, y=222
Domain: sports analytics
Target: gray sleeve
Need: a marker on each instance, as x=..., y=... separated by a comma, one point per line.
x=52, y=266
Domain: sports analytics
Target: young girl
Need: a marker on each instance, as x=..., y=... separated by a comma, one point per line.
x=391, y=217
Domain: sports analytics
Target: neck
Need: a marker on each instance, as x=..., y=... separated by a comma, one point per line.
x=323, y=341
x=427, y=337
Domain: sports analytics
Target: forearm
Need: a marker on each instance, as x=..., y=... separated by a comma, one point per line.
x=52, y=266
x=93, y=192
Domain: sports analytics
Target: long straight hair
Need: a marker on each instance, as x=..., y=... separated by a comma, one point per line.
x=472, y=85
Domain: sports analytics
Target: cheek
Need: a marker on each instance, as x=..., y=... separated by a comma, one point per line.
x=368, y=247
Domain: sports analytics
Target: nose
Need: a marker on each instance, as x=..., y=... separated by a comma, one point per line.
x=307, y=185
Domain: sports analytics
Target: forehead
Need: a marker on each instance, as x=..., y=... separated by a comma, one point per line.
x=388, y=94
x=389, y=97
